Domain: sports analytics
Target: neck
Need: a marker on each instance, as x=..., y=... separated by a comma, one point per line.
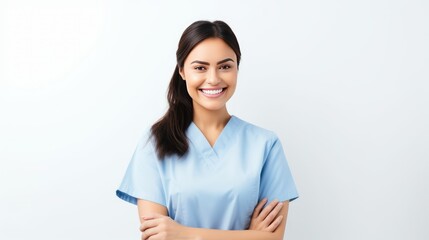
x=206, y=119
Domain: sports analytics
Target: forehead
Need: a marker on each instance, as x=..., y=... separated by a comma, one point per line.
x=211, y=49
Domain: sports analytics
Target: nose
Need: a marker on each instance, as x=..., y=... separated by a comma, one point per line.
x=213, y=77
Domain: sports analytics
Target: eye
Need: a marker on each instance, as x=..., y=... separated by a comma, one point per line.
x=200, y=68
x=225, y=67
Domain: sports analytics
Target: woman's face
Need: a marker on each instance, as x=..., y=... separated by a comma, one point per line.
x=210, y=72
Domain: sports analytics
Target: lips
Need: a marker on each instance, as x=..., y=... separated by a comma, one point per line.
x=213, y=92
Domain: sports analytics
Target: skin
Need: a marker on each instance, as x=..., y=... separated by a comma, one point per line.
x=156, y=225
x=212, y=64
x=210, y=114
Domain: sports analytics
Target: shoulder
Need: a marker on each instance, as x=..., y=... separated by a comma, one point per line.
x=146, y=145
x=146, y=139
x=255, y=132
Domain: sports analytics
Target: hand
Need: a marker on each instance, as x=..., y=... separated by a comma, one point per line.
x=156, y=227
x=266, y=219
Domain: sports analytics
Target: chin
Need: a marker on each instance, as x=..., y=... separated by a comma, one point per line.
x=212, y=107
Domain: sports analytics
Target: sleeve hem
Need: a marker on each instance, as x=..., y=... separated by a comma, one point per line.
x=292, y=198
x=132, y=198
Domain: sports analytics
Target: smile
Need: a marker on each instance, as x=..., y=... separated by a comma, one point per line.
x=212, y=92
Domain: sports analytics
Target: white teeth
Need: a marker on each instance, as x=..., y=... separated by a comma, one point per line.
x=212, y=92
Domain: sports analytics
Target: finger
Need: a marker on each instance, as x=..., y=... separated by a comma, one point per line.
x=259, y=208
x=268, y=209
x=275, y=224
x=148, y=233
x=149, y=224
x=154, y=237
x=147, y=217
x=143, y=237
x=272, y=215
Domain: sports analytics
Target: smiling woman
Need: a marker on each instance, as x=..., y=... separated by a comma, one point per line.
x=201, y=173
x=210, y=82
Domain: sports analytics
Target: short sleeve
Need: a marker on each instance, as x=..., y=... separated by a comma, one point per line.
x=276, y=178
x=142, y=178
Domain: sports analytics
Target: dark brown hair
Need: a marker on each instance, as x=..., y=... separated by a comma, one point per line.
x=170, y=131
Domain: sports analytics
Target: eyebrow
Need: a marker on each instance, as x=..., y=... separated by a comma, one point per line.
x=206, y=63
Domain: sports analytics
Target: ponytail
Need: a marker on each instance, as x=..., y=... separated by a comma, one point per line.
x=170, y=130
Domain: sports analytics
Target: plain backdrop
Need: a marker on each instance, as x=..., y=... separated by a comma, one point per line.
x=343, y=83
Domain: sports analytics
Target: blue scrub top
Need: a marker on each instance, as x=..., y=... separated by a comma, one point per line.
x=212, y=187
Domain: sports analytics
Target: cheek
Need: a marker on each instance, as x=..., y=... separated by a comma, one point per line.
x=191, y=87
x=194, y=80
x=231, y=79
x=190, y=84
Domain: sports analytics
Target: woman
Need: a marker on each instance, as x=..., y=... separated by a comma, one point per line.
x=200, y=172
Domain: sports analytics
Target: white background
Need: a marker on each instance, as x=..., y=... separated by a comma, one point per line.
x=343, y=83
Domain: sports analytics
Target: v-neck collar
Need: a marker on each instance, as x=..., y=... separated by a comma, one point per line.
x=202, y=144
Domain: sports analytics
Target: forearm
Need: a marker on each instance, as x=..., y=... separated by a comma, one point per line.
x=213, y=234
x=157, y=222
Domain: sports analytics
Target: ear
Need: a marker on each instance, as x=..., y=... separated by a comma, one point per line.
x=182, y=74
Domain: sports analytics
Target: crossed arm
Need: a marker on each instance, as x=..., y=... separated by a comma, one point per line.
x=266, y=224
